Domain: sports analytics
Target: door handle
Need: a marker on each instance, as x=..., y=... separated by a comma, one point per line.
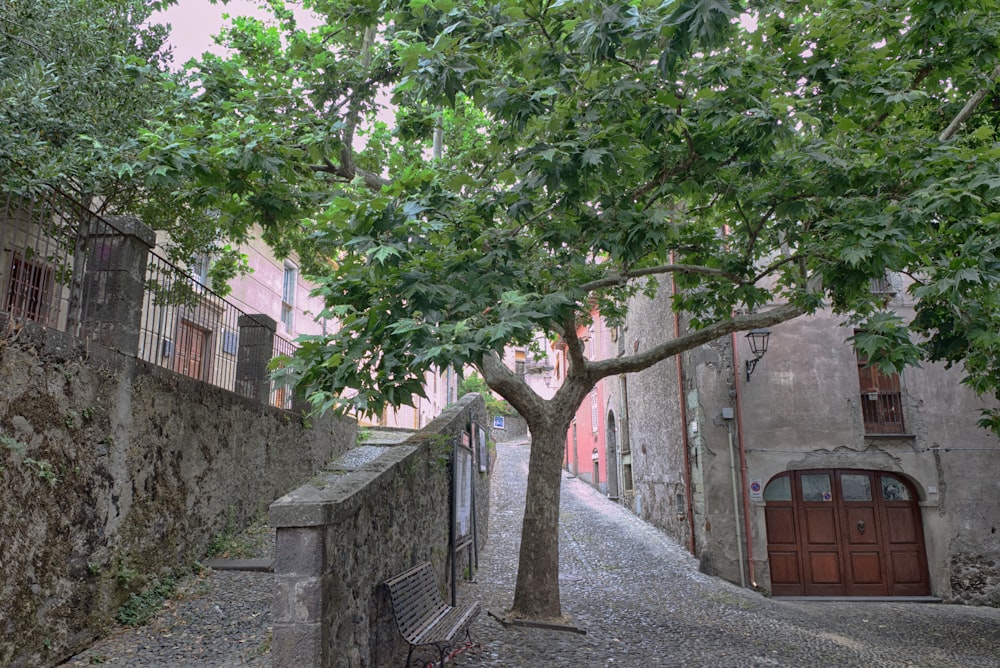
x=861, y=527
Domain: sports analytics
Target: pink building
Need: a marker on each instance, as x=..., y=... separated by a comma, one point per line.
x=586, y=440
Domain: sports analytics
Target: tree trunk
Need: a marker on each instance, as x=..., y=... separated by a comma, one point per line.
x=536, y=595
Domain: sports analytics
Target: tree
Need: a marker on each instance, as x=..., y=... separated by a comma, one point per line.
x=77, y=78
x=763, y=161
x=494, y=406
x=79, y=81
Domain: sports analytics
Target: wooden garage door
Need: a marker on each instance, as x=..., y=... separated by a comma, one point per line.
x=844, y=532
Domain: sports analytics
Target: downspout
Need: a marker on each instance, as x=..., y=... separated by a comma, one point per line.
x=623, y=443
x=688, y=496
x=743, y=462
x=736, y=505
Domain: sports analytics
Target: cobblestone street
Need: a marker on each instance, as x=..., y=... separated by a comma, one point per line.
x=642, y=602
x=636, y=593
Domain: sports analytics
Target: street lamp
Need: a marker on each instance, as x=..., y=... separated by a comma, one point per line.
x=758, y=346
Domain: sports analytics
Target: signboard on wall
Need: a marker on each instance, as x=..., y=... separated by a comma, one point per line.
x=463, y=507
x=463, y=492
x=484, y=453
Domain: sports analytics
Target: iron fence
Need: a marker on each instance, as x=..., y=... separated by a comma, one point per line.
x=57, y=266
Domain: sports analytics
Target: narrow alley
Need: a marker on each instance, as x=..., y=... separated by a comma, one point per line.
x=642, y=602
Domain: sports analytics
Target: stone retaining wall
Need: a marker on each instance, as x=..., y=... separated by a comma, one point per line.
x=115, y=472
x=339, y=537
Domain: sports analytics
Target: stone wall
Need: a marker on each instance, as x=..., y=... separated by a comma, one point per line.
x=515, y=428
x=115, y=472
x=340, y=536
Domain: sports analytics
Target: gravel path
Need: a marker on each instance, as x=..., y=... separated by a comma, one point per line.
x=636, y=593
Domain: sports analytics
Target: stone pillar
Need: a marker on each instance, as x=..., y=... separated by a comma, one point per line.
x=255, y=351
x=114, y=282
x=301, y=635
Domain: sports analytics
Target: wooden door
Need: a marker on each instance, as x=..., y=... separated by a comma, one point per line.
x=861, y=535
x=836, y=532
x=192, y=343
x=819, y=534
x=906, y=557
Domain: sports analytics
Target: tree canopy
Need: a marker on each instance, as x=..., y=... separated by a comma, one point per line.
x=756, y=153
x=76, y=80
x=766, y=158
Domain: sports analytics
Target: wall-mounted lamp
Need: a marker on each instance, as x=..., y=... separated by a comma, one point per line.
x=547, y=377
x=758, y=346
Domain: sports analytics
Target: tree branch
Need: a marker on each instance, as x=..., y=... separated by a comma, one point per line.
x=507, y=384
x=969, y=108
x=647, y=358
x=625, y=276
x=665, y=173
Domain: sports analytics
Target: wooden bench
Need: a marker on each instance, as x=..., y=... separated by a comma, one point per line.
x=422, y=618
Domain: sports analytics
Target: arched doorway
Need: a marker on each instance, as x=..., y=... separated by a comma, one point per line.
x=844, y=532
x=612, y=456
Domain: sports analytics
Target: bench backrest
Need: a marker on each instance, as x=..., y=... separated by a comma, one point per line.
x=416, y=601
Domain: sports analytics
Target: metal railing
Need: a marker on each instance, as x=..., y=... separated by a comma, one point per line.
x=45, y=243
x=882, y=412
x=54, y=256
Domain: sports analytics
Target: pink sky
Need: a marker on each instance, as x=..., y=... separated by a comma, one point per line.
x=194, y=22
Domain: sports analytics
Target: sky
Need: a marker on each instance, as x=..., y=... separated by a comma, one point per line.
x=194, y=22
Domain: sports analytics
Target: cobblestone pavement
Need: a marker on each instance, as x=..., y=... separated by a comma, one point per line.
x=636, y=593
x=642, y=602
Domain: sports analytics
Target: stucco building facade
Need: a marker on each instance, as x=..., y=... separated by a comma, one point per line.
x=816, y=476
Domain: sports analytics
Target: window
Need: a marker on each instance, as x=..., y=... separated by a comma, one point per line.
x=519, y=363
x=779, y=489
x=881, y=399
x=593, y=411
x=288, y=286
x=29, y=288
x=627, y=475
x=199, y=270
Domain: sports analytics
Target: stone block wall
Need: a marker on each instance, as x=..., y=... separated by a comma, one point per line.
x=115, y=472
x=340, y=536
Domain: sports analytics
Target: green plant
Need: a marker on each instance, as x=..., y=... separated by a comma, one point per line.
x=262, y=649
x=227, y=543
x=363, y=436
x=45, y=470
x=494, y=406
x=140, y=608
x=13, y=444
x=125, y=575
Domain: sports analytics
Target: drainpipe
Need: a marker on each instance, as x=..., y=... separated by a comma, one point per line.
x=688, y=496
x=736, y=503
x=623, y=438
x=743, y=462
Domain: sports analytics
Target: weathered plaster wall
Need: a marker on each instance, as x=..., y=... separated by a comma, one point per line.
x=340, y=536
x=654, y=428
x=114, y=472
x=801, y=410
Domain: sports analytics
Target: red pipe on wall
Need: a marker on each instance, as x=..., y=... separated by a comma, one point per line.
x=743, y=462
x=684, y=428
